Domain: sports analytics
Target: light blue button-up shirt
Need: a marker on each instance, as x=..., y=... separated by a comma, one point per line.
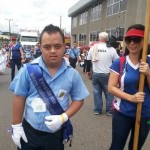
x=66, y=80
x=74, y=52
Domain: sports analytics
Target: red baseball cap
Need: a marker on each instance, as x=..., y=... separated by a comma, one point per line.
x=13, y=38
x=135, y=32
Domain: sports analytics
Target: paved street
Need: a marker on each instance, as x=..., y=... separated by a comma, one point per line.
x=90, y=132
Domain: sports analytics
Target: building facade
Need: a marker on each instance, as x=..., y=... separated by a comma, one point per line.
x=90, y=17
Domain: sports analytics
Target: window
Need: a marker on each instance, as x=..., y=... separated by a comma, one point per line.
x=74, y=22
x=116, y=6
x=110, y=10
x=96, y=12
x=109, y=2
x=83, y=18
x=28, y=39
x=116, y=1
x=82, y=39
x=116, y=32
x=121, y=34
x=108, y=31
x=123, y=5
x=94, y=36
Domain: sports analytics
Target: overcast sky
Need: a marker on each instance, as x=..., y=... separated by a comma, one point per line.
x=34, y=14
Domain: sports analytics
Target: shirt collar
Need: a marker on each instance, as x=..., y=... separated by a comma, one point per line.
x=41, y=63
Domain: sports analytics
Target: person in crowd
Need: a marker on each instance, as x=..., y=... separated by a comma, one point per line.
x=42, y=95
x=3, y=59
x=89, y=69
x=119, y=49
x=15, y=55
x=102, y=57
x=67, y=49
x=37, y=51
x=66, y=57
x=85, y=54
x=89, y=65
x=127, y=94
x=28, y=54
x=74, y=55
x=6, y=47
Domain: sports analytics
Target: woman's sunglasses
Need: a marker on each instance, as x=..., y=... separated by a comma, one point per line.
x=135, y=39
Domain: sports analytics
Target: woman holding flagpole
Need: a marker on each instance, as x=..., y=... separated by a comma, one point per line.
x=123, y=84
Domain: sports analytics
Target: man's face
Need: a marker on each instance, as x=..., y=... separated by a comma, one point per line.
x=74, y=45
x=52, y=48
x=38, y=45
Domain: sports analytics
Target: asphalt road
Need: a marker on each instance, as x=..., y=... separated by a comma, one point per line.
x=90, y=132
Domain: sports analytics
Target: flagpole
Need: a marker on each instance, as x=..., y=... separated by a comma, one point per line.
x=142, y=76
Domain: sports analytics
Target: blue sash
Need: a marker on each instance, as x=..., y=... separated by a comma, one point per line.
x=46, y=93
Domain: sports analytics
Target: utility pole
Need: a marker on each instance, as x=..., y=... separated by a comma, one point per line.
x=9, y=27
x=60, y=22
x=118, y=28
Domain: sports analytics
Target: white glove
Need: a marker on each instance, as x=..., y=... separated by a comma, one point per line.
x=54, y=122
x=18, y=133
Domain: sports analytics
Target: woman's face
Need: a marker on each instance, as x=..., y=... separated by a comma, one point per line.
x=134, y=44
x=14, y=42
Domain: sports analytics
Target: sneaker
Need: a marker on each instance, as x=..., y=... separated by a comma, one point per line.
x=97, y=113
x=109, y=113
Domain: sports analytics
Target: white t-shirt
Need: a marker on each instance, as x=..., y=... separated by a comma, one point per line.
x=106, y=56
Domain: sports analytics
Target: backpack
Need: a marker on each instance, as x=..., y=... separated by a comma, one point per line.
x=122, y=62
x=112, y=42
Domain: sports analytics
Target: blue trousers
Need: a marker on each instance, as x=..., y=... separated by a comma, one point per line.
x=73, y=62
x=39, y=140
x=121, y=127
x=100, y=84
x=13, y=63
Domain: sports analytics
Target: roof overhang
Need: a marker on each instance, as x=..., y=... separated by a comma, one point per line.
x=80, y=6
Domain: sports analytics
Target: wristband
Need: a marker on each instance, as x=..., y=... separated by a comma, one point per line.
x=64, y=117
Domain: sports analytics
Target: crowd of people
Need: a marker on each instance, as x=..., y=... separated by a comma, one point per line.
x=41, y=104
x=14, y=54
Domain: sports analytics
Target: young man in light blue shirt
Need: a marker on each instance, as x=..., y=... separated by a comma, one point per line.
x=74, y=55
x=33, y=125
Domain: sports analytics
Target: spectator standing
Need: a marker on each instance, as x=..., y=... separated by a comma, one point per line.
x=74, y=55
x=102, y=57
x=67, y=49
x=85, y=54
x=42, y=95
x=28, y=54
x=119, y=49
x=6, y=47
x=37, y=51
x=66, y=57
x=3, y=58
x=15, y=55
x=127, y=95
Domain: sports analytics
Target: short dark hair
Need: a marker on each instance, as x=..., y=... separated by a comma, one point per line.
x=135, y=26
x=52, y=29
